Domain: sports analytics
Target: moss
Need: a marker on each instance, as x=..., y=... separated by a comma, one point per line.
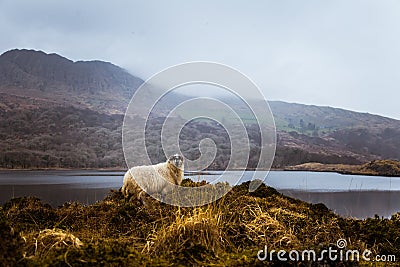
x=262, y=191
x=11, y=243
x=29, y=213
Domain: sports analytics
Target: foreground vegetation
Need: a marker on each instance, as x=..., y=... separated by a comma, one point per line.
x=228, y=232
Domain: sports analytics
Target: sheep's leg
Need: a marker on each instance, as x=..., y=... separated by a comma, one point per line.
x=165, y=192
x=161, y=197
x=141, y=196
x=125, y=192
x=144, y=199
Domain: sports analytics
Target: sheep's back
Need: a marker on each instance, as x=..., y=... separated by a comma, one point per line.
x=151, y=178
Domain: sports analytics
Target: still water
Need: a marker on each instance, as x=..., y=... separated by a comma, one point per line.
x=347, y=195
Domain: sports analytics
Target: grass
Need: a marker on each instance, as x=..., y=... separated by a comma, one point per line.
x=230, y=231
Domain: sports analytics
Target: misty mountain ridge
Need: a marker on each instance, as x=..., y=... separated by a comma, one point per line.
x=37, y=76
x=50, y=104
x=326, y=117
x=26, y=72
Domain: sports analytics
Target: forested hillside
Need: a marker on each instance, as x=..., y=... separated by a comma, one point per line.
x=56, y=113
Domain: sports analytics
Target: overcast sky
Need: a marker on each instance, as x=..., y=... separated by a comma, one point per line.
x=340, y=53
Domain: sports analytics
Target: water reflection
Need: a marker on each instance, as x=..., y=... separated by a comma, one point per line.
x=358, y=204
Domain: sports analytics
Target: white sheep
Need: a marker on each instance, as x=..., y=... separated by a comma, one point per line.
x=154, y=179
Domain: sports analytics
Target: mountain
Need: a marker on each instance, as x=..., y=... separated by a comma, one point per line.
x=309, y=133
x=31, y=78
x=331, y=135
x=58, y=113
x=306, y=118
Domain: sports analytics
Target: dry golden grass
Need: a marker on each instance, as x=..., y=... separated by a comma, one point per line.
x=265, y=228
x=40, y=244
x=199, y=228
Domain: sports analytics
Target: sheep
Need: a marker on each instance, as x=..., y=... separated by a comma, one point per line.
x=154, y=179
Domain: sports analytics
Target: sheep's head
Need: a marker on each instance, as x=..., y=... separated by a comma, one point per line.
x=176, y=160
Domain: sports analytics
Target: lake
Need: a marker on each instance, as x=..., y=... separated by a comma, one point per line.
x=347, y=195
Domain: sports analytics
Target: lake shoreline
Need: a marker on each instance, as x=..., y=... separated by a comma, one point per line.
x=293, y=169
x=384, y=168
x=113, y=169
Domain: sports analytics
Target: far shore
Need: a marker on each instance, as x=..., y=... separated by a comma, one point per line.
x=386, y=168
x=113, y=169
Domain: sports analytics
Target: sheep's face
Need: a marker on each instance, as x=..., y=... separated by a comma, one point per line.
x=176, y=160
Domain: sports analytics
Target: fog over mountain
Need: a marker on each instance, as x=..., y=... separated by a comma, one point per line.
x=333, y=53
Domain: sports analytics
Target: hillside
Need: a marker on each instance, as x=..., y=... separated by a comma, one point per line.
x=354, y=137
x=307, y=118
x=31, y=78
x=56, y=113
